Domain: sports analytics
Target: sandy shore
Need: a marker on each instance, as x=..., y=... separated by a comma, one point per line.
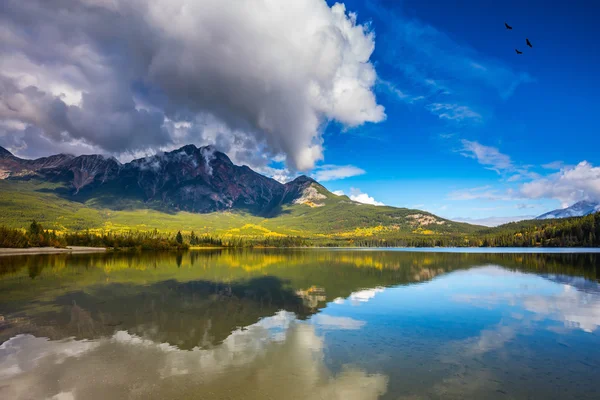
x=50, y=250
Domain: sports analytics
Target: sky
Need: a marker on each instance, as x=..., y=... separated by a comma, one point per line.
x=404, y=103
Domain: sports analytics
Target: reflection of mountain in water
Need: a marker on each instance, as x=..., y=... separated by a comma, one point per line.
x=198, y=298
x=577, y=282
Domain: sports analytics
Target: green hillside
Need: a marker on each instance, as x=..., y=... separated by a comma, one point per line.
x=319, y=216
x=323, y=215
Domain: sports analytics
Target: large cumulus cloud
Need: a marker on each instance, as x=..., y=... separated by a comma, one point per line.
x=569, y=185
x=133, y=75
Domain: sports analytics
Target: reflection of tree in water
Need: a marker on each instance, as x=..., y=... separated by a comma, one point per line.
x=199, y=297
x=190, y=314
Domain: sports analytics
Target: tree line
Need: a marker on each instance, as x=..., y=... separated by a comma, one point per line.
x=35, y=236
x=569, y=232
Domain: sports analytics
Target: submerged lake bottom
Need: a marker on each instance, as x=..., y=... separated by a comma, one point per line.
x=301, y=324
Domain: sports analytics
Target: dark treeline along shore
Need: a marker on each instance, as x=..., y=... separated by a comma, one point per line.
x=568, y=232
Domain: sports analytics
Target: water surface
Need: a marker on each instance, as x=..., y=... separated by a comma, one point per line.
x=300, y=324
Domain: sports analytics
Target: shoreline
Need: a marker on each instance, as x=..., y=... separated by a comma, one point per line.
x=50, y=250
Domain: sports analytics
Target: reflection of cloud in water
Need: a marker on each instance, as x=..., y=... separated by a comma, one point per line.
x=492, y=339
x=278, y=357
x=363, y=296
x=330, y=322
x=576, y=309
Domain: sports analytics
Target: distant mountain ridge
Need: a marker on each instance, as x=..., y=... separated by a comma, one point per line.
x=578, y=209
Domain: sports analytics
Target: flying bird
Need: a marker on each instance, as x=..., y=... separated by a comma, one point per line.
x=528, y=42
x=507, y=26
x=518, y=52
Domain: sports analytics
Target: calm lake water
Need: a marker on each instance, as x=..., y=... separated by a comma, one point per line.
x=300, y=324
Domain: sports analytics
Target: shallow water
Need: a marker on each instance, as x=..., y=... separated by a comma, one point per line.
x=300, y=324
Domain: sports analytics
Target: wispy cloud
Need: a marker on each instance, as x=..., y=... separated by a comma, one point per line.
x=524, y=206
x=479, y=193
x=487, y=156
x=491, y=158
x=400, y=94
x=493, y=221
x=321, y=173
x=556, y=165
x=448, y=76
x=330, y=172
x=569, y=185
x=453, y=112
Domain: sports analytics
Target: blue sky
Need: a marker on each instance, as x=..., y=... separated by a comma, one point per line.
x=521, y=112
x=420, y=104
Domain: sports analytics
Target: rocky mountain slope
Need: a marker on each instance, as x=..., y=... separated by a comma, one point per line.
x=190, y=178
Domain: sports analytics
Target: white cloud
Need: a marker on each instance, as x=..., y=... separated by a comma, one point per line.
x=493, y=159
x=333, y=172
x=488, y=156
x=360, y=197
x=571, y=184
x=453, y=112
x=113, y=73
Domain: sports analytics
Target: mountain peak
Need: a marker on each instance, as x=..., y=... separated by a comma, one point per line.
x=188, y=149
x=303, y=179
x=579, y=209
x=584, y=203
x=5, y=153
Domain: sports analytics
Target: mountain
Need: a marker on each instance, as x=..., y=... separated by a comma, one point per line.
x=191, y=188
x=578, y=209
x=14, y=166
x=190, y=179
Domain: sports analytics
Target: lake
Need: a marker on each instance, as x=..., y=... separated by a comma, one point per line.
x=300, y=324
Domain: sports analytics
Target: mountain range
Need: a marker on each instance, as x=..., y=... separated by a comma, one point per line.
x=578, y=209
x=199, y=188
x=189, y=188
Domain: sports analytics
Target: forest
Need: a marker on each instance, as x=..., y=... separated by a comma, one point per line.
x=568, y=232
